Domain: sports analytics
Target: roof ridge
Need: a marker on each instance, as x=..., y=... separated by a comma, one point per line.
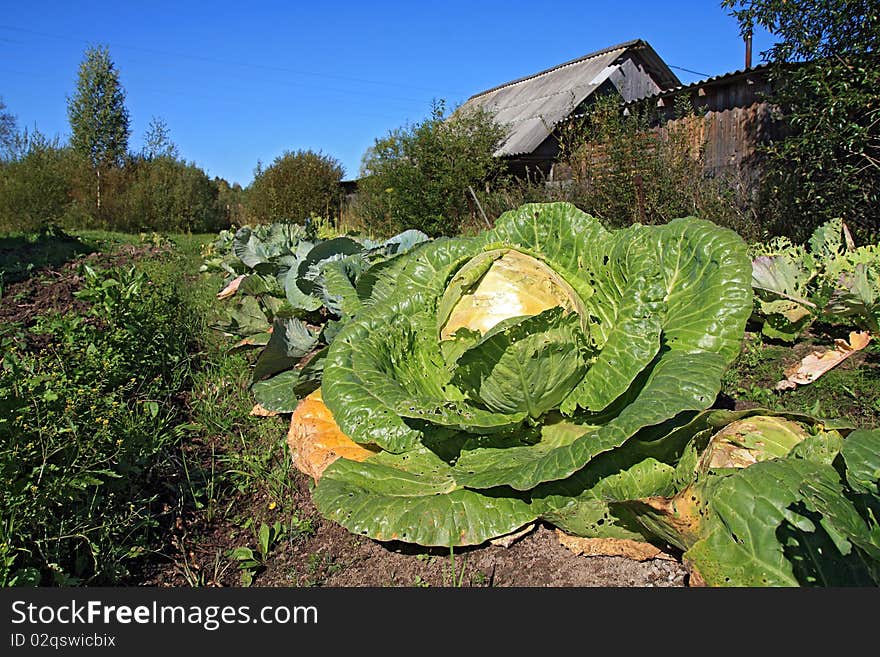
x=712, y=79
x=603, y=51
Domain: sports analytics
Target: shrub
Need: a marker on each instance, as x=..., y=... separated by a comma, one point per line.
x=625, y=170
x=418, y=176
x=167, y=194
x=35, y=186
x=294, y=187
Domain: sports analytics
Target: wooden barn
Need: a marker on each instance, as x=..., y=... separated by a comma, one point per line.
x=533, y=106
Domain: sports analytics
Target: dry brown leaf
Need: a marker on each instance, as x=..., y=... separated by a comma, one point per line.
x=611, y=547
x=246, y=342
x=316, y=441
x=695, y=579
x=817, y=363
x=230, y=289
x=261, y=411
x=509, y=539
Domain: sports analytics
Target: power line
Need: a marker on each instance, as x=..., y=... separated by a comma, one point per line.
x=681, y=68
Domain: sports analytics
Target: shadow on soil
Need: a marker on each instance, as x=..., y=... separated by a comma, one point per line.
x=21, y=256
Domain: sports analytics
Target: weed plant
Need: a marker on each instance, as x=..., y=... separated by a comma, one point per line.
x=89, y=420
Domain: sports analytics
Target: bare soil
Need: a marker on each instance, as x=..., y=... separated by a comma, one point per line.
x=330, y=556
x=51, y=289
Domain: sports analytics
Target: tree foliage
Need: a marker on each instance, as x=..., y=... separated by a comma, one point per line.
x=230, y=199
x=826, y=84
x=418, y=175
x=36, y=183
x=167, y=194
x=99, y=120
x=294, y=187
x=8, y=131
x=807, y=30
x=157, y=140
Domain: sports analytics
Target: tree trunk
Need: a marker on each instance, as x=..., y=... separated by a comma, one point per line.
x=99, y=188
x=640, y=197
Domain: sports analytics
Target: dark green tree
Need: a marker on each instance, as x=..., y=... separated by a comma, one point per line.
x=826, y=83
x=230, y=200
x=418, y=175
x=294, y=187
x=99, y=120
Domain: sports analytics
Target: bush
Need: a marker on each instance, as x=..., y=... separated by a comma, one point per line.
x=166, y=194
x=46, y=184
x=36, y=186
x=624, y=170
x=826, y=167
x=294, y=187
x=418, y=176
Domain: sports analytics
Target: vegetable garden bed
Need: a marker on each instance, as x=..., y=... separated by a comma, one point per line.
x=551, y=372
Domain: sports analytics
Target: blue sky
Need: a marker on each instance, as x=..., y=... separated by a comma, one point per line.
x=237, y=84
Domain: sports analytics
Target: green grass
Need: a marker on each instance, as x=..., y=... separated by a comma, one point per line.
x=90, y=420
x=249, y=451
x=132, y=416
x=850, y=391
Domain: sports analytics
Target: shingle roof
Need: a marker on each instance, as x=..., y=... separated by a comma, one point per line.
x=533, y=105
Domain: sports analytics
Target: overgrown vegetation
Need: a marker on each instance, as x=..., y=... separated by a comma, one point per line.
x=295, y=187
x=629, y=168
x=422, y=176
x=826, y=84
x=89, y=423
x=238, y=474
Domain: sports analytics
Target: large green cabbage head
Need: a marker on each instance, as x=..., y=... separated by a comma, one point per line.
x=483, y=368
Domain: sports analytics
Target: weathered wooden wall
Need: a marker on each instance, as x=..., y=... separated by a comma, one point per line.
x=730, y=138
x=730, y=123
x=733, y=119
